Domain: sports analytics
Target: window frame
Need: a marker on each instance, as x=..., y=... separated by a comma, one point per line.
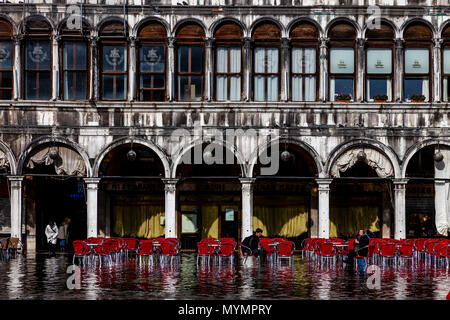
x=36, y=37
x=445, y=45
x=367, y=76
x=107, y=42
x=337, y=44
x=418, y=75
x=62, y=70
x=305, y=44
x=190, y=43
x=266, y=45
x=8, y=38
x=228, y=44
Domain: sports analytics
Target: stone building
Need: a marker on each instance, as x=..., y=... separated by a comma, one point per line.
x=350, y=95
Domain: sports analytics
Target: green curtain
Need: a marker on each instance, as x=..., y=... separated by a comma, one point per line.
x=348, y=220
x=283, y=221
x=210, y=222
x=142, y=221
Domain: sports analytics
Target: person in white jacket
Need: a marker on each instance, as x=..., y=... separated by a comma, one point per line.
x=51, y=232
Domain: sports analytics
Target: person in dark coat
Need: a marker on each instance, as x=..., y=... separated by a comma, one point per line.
x=361, y=247
x=250, y=245
x=428, y=227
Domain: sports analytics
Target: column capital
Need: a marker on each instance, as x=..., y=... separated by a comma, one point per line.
x=92, y=181
x=285, y=42
x=56, y=38
x=399, y=43
x=247, y=180
x=209, y=42
x=247, y=42
x=171, y=42
x=170, y=184
x=324, y=181
x=132, y=41
x=324, y=42
x=440, y=181
x=17, y=38
x=15, y=180
x=361, y=42
x=437, y=42
x=93, y=40
x=400, y=183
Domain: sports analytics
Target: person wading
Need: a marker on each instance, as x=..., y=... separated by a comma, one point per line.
x=251, y=244
x=51, y=232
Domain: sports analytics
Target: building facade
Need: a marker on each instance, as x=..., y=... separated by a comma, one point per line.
x=102, y=104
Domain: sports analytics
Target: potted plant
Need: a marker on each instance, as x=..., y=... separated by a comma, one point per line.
x=343, y=97
x=380, y=98
x=417, y=98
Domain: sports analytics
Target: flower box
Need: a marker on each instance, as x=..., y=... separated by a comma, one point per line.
x=380, y=101
x=343, y=100
x=417, y=101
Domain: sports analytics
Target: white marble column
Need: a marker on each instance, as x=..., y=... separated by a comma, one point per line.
x=170, y=204
x=16, y=183
x=93, y=72
x=132, y=69
x=361, y=44
x=55, y=66
x=17, y=85
x=247, y=207
x=324, y=207
x=441, y=191
x=92, y=206
x=436, y=74
x=209, y=69
x=323, y=70
x=398, y=70
x=400, y=208
x=285, y=64
x=171, y=69
x=247, y=69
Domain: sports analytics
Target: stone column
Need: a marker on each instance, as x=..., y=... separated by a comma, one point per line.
x=209, y=42
x=247, y=207
x=93, y=72
x=360, y=69
x=285, y=67
x=171, y=67
x=247, y=69
x=436, y=74
x=400, y=208
x=55, y=67
x=92, y=207
x=441, y=190
x=16, y=183
x=323, y=70
x=170, y=189
x=324, y=207
x=17, y=85
x=398, y=70
x=132, y=69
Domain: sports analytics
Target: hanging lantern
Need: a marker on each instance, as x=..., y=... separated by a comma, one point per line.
x=131, y=155
x=361, y=156
x=53, y=153
x=438, y=156
x=285, y=155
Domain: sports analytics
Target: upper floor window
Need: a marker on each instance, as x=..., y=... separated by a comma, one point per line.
x=228, y=62
x=417, y=61
x=342, y=62
x=379, y=66
x=266, y=63
x=114, y=62
x=304, y=70
x=446, y=64
x=190, y=64
x=38, y=60
x=6, y=61
x=152, y=63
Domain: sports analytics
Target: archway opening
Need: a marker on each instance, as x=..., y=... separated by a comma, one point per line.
x=5, y=211
x=131, y=193
x=285, y=204
x=209, y=194
x=361, y=194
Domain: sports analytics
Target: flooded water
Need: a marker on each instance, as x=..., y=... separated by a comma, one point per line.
x=41, y=277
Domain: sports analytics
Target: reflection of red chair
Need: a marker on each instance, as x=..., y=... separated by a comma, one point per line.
x=169, y=250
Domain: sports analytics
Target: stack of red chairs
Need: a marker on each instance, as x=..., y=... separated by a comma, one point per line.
x=145, y=250
x=286, y=250
x=204, y=251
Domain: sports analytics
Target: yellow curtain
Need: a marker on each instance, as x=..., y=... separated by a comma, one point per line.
x=210, y=222
x=283, y=221
x=142, y=221
x=348, y=220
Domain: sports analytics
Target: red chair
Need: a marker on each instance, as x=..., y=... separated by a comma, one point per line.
x=204, y=251
x=145, y=250
x=286, y=250
x=437, y=251
x=226, y=250
x=81, y=250
x=169, y=250
x=419, y=247
x=266, y=244
x=327, y=252
x=388, y=252
x=306, y=247
x=405, y=252
x=130, y=245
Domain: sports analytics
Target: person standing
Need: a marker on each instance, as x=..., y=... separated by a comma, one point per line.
x=428, y=227
x=51, y=232
x=62, y=234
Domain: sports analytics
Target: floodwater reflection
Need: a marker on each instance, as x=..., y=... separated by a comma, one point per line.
x=41, y=277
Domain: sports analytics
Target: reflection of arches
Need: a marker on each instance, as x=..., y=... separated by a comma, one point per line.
x=262, y=148
x=10, y=157
x=182, y=151
x=367, y=143
x=416, y=148
x=116, y=143
x=34, y=145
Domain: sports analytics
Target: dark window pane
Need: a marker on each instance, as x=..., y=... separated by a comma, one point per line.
x=114, y=58
x=152, y=59
x=37, y=55
x=75, y=55
x=377, y=86
x=6, y=55
x=114, y=86
x=415, y=86
x=75, y=85
x=152, y=81
x=5, y=94
x=343, y=86
x=196, y=59
x=152, y=95
x=158, y=95
x=183, y=59
x=190, y=88
x=6, y=79
x=37, y=85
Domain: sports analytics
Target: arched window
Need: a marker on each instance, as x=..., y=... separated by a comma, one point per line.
x=114, y=61
x=152, y=62
x=304, y=69
x=37, y=60
x=228, y=62
x=446, y=63
x=74, y=63
x=190, y=62
x=266, y=62
x=6, y=60
x=379, y=63
x=417, y=62
x=342, y=66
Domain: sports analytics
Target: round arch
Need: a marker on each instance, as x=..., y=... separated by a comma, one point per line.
x=386, y=21
x=343, y=20
x=15, y=27
x=110, y=19
x=213, y=27
x=181, y=23
x=138, y=26
x=180, y=152
x=294, y=22
x=374, y=144
x=11, y=158
x=61, y=24
x=37, y=17
x=261, y=148
x=408, y=22
x=417, y=147
x=162, y=156
x=49, y=139
x=267, y=19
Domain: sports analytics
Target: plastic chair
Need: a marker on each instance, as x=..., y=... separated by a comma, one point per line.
x=80, y=251
x=226, y=250
x=388, y=252
x=130, y=245
x=204, y=251
x=286, y=251
x=169, y=250
x=145, y=250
